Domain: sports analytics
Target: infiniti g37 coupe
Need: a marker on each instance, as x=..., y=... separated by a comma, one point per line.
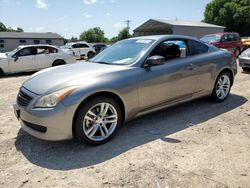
x=90, y=101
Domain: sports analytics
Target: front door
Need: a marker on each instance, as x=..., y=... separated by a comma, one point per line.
x=23, y=60
x=174, y=80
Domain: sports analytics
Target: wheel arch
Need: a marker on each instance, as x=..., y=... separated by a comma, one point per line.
x=228, y=70
x=58, y=60
x=1, y=72
x=101, y=94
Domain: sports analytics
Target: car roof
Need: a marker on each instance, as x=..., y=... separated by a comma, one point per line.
x=162, y=37
x=36, y=45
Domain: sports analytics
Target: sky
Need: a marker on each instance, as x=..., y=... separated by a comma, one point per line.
x=71, y=17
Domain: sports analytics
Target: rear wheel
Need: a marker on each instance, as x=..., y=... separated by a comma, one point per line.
x=58, y=63
x=90, y=55
x=222, y=87
x=97, y=121
x=246, y=69
x=1, y=72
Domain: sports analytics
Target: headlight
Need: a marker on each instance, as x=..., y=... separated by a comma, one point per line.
x=52, y=99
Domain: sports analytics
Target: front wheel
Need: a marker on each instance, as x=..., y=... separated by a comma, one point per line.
x=222, y=87
x=97, y=121
x=90, y=55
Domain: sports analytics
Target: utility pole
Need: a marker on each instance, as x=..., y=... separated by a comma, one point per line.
x=128, y=24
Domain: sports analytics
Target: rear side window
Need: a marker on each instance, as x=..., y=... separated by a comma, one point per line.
x=197, y=48
x=237, y=37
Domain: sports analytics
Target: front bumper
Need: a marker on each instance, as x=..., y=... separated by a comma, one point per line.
x=244, y=62
x=47, y=124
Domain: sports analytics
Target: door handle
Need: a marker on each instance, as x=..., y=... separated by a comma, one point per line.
x=190, y=67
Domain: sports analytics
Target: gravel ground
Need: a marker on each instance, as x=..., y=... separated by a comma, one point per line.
x=197, y=144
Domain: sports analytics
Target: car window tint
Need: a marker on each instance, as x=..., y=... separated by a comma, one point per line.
x=83, y=46
x=26, y=52
x=171, y=49
x=75, y=46
x=52, y=50
x=197, y=48
x=231, y=37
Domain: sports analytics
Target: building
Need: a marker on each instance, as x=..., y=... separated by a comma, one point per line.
x=177, y=27
x=10, y=40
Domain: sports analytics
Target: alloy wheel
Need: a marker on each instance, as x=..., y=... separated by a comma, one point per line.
x=223, y=87
x=100, y=121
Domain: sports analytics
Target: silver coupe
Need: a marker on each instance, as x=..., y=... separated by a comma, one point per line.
x=89, y=101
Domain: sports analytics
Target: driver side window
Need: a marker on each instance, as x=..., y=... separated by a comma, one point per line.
x=171, y=49
x=26, y=52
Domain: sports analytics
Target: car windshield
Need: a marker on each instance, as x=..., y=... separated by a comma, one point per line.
x=211, y=38
x=9, y=54
x=246, y=52
x=124, y=52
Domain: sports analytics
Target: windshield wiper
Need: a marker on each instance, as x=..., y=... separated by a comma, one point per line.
x=101, y=62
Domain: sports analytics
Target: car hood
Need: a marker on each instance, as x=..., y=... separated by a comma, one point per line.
x=3, y=56
x=55, y=78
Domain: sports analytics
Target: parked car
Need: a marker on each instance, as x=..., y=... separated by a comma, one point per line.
x=90, y=101
x=246, y=42
x=99, y=47
x=32, y=58
x=80, y=49
x=229, y=41
x=244, y=60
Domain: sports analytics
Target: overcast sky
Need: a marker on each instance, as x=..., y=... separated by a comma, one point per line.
x=71, y=17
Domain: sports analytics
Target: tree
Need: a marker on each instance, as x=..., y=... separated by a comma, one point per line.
x=123, y=34
x=233, y=14
x=93, y=35
x=3, y=28
x=19, y=29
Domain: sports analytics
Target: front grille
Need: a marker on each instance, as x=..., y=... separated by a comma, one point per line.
x=35, y=127
x=23, y=99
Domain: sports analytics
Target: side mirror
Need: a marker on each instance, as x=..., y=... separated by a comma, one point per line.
x=154, y=61
x=15, y=57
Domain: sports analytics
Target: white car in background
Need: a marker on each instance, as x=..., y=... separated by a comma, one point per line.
x=33, y=58
x=81, y=50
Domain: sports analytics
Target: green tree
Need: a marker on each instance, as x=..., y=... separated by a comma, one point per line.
x=19, y=29
x=233, y=14
x=93, y=35
x=123, y=34
x=2, y=27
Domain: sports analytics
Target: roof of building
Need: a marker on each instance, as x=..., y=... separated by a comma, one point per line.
x=27, y=35
x=179, y=23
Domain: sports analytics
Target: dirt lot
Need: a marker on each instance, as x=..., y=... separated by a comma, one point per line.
x=198, y=144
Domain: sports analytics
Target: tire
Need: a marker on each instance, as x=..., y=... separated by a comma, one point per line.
x=58, y=63
x=237, y=52
x=222, y=87
x=246, y=69
x=1, y=73
x=90, y=55
x=90, y=125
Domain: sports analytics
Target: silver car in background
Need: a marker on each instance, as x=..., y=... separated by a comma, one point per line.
x=90, y=101
x=244, y=60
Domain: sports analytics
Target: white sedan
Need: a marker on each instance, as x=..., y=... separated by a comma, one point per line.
x=33, y=58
